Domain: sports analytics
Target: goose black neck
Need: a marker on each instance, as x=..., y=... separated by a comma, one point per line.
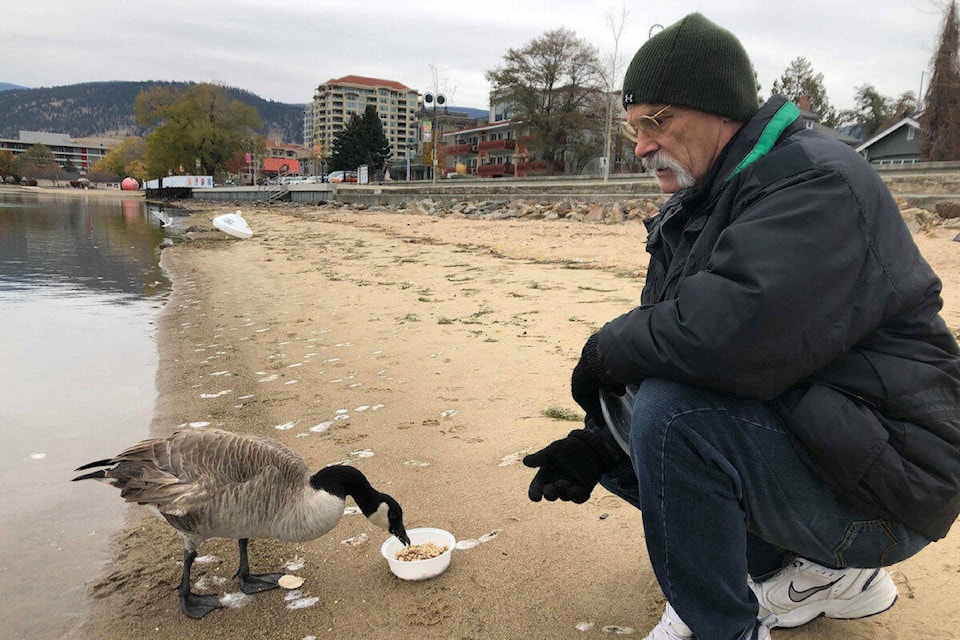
x=342, y=481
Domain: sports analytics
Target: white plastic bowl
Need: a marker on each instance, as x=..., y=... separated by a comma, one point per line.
x=419, y=569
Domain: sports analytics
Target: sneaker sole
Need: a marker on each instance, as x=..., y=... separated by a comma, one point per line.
x=880, y=599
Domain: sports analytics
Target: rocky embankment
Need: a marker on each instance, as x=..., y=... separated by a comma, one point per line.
x=945, y=214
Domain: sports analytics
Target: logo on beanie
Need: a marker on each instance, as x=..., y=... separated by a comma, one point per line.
x=628, y=98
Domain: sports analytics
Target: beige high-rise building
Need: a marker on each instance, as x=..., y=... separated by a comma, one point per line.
x=335, y=100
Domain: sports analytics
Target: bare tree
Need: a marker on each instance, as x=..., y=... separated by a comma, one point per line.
x=613, y=69
x=940, y=130
x=551, y=83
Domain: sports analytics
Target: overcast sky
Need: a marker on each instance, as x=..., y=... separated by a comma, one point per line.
x=282, y=49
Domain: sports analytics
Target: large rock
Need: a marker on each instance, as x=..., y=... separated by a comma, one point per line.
x=948, y=209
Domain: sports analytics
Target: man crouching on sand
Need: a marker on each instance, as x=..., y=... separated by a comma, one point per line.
x=796, y=407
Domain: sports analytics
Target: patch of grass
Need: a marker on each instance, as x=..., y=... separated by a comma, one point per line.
x=443, y=320
x=562, y=413
x=410, y=317
x=598, y=289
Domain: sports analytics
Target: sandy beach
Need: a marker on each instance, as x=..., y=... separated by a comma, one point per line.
x=427, y=351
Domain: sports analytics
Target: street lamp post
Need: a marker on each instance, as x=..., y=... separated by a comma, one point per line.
x=435, y=101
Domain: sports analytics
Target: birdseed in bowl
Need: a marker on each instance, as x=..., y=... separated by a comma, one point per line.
x=423, y=551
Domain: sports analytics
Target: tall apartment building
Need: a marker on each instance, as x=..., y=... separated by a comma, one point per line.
x=82, y=153
x=335, y=100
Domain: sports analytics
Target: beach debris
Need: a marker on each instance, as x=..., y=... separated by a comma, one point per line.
x=449, y=413
x=235, y=600
x=416, y=463
x=286, y=425
x=295, y=564
x=216, y=395
x=513, y=458
x=320, y=428
x=303, y=603
x=37, y=456
x=290, y=582
x=584, y=626
x=362, y=453
x=618, y=630
x=471, y=543
x=356, y=541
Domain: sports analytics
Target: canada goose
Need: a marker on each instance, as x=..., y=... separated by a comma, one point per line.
x=210, y=483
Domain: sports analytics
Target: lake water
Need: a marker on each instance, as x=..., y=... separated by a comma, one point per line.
x=80, y=294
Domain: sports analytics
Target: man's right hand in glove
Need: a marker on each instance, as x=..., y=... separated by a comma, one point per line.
x=570, y=468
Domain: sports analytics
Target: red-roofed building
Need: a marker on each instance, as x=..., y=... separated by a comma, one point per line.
x=285, y=166
x=336, y=100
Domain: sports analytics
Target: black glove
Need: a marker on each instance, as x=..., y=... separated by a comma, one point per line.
x=589, y=376
x=570, y=468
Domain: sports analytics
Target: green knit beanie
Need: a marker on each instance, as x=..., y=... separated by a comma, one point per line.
x=697, y=64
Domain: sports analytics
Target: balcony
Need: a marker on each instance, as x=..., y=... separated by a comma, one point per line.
x=497, y=145
x=526, y=168
x=461, y=149
x=495, y=170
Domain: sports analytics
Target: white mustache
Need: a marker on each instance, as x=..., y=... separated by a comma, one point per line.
x=662, y=160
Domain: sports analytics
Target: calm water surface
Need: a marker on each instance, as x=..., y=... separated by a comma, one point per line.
x=80, y=293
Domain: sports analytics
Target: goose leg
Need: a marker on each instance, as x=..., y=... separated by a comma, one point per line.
x=194, y=605
x=249, y=583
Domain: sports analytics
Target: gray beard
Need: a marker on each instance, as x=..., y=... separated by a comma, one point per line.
x=662, y=160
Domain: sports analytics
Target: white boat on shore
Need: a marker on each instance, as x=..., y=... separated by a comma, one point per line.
x=233, y=224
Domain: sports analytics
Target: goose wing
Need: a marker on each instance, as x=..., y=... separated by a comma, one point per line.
x=193, y=470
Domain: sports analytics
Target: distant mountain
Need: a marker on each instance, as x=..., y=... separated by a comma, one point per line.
x=473, y=113
x=4, y=86
x=105, y=109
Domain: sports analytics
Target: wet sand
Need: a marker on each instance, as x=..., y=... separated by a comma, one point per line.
x=425, y=350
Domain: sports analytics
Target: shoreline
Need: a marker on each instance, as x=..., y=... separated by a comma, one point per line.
x=442, y=340
x=70, y=192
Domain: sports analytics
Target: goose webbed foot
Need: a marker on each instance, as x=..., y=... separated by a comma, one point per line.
x=251, y=584
x=196, y=606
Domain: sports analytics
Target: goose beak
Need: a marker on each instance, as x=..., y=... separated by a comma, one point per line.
x=401, y=534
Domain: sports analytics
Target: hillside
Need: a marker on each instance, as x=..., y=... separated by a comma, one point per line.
x=105, y=109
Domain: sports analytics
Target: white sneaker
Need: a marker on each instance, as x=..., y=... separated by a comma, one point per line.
x=671, y=627
x=806, y=590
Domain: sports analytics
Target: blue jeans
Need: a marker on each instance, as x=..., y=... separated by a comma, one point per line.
x=725, y=494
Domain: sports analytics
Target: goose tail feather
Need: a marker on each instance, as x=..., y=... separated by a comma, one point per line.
x=99, y=463
x=93, y=475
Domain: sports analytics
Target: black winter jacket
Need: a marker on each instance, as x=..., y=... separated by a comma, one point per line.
x=791, y=277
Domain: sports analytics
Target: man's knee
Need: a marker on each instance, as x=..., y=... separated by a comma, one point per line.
x=655, y=405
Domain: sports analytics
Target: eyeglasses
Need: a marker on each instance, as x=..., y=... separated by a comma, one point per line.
x=647, y=125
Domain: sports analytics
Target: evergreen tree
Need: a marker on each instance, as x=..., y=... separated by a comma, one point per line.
x=361, y=142
x=940, y=130
x=799, y=80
